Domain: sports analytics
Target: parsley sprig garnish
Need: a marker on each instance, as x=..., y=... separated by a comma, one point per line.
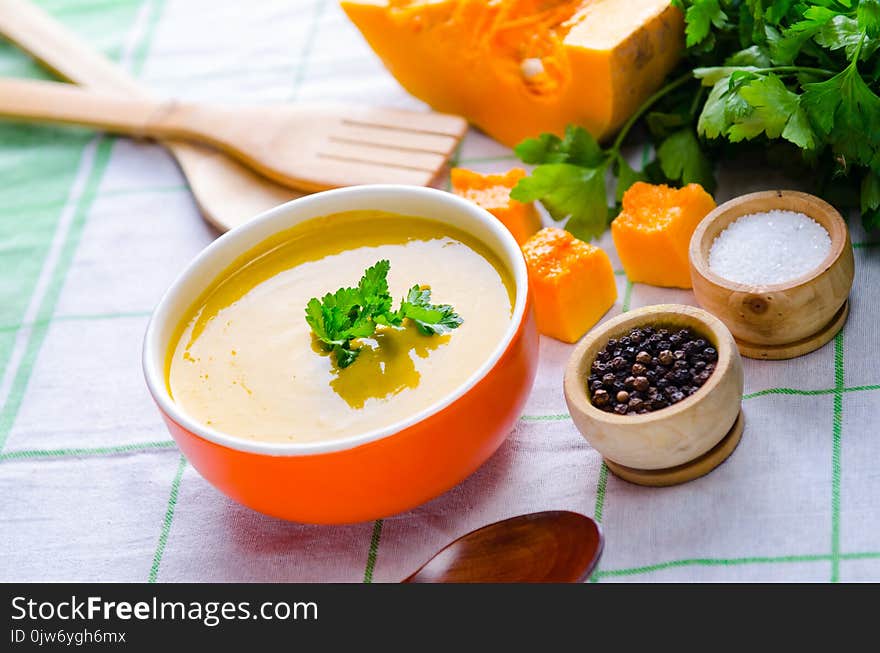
x=341, y=317
x=794, y=81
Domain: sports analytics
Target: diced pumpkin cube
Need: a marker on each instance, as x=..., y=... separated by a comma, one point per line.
x=492, y=192
x=572, y=283
x=653, y=232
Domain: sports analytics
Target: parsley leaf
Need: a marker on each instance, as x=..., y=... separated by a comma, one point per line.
x=846, y=111
x=868, y=14
x=349, y=313
x=775, y=111
x=578, y=147
x=431, y=319
x=571, y=192
x=842, y=32
x=373, y=288
x=682, y=159
x=700, y=16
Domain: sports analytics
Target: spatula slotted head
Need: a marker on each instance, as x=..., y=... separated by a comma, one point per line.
x=315, y=148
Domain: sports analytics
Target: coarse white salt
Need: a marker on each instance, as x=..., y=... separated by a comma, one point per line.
x=763, y=249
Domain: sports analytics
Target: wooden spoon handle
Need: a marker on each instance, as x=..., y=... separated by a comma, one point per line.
x=37, y=33
x=52, y=102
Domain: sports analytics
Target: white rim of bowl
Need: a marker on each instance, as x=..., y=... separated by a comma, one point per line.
x=153, y=355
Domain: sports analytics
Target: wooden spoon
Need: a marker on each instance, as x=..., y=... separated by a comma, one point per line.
x=227, y=193
x=543, y=547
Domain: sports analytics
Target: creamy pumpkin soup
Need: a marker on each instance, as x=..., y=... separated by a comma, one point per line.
x=247, y=363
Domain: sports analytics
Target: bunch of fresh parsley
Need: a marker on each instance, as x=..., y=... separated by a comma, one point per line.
x=798, y=81
x=339, y=318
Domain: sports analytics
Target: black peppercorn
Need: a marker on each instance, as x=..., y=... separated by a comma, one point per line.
x=649, y=369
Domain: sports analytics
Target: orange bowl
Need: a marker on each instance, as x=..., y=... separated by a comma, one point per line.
x=377, y=473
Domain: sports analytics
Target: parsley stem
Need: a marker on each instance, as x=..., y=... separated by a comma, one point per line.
x=698, y=98
x=858, y=53
x=663, y=92
x=794, y=69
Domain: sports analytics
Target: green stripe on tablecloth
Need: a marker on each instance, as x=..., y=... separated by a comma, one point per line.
x=82, y=452
x=375, y=539
x=709, y=562
x=731, y=562
x=562, y=417
x=836, y=431
x=166, y=523
x=32, y=204
x=76, y=318
x=309, y=44
x=602, y=481
x=38, y=168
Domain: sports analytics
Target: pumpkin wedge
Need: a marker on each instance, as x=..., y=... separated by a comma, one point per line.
x=517, y=68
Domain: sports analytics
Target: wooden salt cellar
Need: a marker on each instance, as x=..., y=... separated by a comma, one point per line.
x=785, y=320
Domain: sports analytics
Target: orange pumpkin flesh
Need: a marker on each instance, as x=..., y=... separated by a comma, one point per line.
x=654, y=229
x=572, y=283
x=492, y=192
x=517, y=68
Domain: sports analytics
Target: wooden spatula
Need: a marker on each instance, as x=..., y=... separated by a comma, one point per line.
x=226, y=192
x=308, y=147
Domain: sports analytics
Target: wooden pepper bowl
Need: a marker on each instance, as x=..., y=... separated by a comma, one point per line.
x=783, y=320
x=675, y=444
